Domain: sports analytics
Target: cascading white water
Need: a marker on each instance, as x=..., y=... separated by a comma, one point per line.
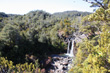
x=68, y=47
x=70, y=52
x=72, y=47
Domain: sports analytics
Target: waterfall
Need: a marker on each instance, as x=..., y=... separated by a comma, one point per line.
x=72, y=47
x=68, y=47
x=70, y=51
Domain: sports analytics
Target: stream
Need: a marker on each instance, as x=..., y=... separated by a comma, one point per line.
x=63, y=62
x=60, y=64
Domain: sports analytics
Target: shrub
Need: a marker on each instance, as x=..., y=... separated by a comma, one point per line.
x=8, y=66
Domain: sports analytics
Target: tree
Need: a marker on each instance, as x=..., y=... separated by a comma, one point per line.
x=92, y=58
x=99, y=3
x=9, y=34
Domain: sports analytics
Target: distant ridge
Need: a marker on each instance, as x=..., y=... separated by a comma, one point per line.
x=57, y=14
x=70, y=14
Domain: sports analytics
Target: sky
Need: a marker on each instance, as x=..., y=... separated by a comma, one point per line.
x=51, y=6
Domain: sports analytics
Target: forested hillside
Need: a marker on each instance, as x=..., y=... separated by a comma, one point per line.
x=35, y=35
x=93, y=54
x=26, y=41
x=70, y=14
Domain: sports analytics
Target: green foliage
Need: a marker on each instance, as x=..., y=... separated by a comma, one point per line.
x=94, y=59
x=99, y=18
x=8, y=66
x=70, y=14
x=101, y=14
x=3, y=14
x=9, y=34
x=35, y=33
x=93, y=54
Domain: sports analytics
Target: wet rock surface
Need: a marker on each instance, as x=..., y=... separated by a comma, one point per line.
x=60, y=64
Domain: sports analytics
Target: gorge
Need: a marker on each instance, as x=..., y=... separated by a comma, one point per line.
x=25, y=39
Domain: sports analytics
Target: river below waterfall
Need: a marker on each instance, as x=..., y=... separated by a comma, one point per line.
x=63, y=62
x=60, y=64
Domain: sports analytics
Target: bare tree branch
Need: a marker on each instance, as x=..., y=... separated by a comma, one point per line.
x=99, y=4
